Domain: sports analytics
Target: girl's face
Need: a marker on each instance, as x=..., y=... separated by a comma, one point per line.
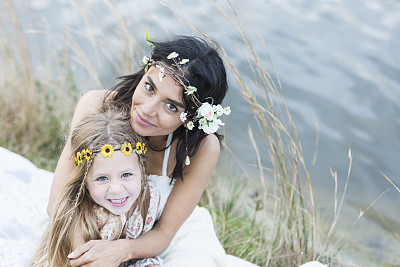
x=114, y=182
x=156, y=105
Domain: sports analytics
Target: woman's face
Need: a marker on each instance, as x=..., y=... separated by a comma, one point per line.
x=156, y=105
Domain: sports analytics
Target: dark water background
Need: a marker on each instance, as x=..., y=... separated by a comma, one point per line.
x=339, y=64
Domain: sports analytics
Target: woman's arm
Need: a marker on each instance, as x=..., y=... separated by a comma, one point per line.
x=89, y=103
x=182, y=201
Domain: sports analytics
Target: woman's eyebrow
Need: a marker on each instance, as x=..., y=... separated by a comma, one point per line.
x=176, y=103
x=151, y=82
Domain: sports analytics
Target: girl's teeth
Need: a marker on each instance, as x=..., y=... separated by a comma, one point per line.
x=116, y=201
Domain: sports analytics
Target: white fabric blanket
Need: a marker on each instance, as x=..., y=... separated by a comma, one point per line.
x=24, y=193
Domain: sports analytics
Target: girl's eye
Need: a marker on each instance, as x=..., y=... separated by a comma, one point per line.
x=149, y=88
x=125, y=175
x=172, y=107
x=102, y=179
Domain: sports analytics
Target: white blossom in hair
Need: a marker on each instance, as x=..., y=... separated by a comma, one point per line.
x=190, y=125
x=172, y=55
x=184, y=61
x=190, y=90
x=208, y=117
x=183, y=116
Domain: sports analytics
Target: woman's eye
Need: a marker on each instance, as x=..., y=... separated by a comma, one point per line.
x=149, y=88
x=125, y=175
x=102, y=179
x=172, y=107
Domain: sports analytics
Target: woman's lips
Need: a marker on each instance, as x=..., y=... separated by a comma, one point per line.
x=143, y=122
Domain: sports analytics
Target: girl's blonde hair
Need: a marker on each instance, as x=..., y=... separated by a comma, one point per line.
x=74, y=205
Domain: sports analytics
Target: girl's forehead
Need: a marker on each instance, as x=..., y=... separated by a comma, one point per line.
x=118, y=161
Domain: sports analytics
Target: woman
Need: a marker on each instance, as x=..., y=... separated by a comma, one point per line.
x=174, y=102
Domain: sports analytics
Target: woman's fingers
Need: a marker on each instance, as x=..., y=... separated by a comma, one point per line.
x=96, y=253
x=82, y=260
x=80, y=250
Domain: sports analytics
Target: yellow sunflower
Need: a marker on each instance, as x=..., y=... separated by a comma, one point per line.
x=126, y=148
x=144, y=148
x=139, y=147
x=107, y=150
x=78, y=158
x=87, y=154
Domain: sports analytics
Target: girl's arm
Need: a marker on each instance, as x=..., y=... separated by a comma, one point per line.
x=182, y=201
x=89, y=103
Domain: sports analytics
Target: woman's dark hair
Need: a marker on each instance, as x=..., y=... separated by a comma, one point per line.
x=205, y=70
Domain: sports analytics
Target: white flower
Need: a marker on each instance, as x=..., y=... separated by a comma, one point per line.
x=172, y=55
x=161, y=74
x=210, y=127
x=219, y=122
x=190, y=125
x=206, y=111
x=227, y=110
x=145, y=60
x=190, y=90
x=219, y=110
x=184, y=61
x=183, y=116
x=202, y=121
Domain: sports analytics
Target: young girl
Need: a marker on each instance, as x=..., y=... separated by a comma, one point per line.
x=107, y=195
x=175, y=102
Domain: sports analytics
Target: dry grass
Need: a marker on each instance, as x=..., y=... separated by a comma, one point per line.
x=34, y=112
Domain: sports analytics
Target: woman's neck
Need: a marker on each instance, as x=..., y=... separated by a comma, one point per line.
x=158, y=141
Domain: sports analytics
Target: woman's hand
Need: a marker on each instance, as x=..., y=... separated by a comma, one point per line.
x=99, y=253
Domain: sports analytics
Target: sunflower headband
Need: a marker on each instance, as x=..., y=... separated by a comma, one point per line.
x=206, y=114
x=107, y=151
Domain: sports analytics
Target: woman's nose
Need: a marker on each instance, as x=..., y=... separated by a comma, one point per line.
x=149, y=107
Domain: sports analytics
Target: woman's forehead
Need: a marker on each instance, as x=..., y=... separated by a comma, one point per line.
x=164, y=83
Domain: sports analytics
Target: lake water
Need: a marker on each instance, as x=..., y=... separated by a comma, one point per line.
x=339, y=64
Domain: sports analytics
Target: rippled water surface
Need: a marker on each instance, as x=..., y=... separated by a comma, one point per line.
x=339, y=64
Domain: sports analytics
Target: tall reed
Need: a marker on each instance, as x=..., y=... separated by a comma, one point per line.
x=34, y=108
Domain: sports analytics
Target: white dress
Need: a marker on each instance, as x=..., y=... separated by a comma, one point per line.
x=195, y=243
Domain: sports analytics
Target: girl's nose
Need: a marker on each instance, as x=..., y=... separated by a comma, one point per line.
x=115, y=187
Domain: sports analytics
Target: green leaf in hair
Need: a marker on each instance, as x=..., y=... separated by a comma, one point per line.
x=148, y=39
